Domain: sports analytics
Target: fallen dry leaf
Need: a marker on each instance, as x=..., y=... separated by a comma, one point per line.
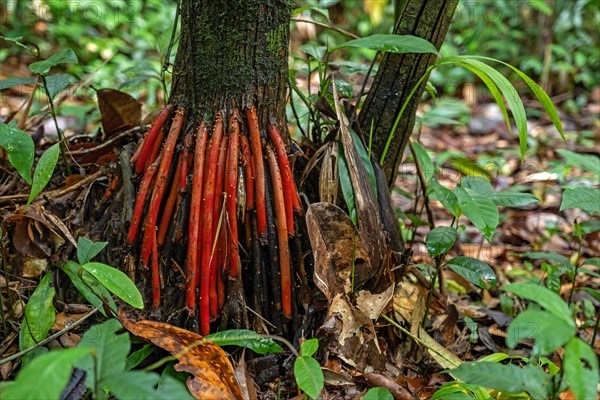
x=213, y=375
x=119, y=110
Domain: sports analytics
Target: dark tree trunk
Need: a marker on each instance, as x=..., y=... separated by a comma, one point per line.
x=398, y=74
x=233, y=51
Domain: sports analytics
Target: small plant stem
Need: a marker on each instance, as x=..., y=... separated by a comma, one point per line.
x=61, y=137
x=328, y=26
x=573, y=278
x=438, y=270
x=423, y=184
x=593, y=341
x=49, y=338
x=165, y=66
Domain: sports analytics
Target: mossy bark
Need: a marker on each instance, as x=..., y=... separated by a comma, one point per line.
x=233, y=51
x=398, y=74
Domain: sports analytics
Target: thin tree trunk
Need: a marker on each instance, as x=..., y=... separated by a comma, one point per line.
x=398, y=74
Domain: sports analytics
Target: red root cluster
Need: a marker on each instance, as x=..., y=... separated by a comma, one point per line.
x=227, y=162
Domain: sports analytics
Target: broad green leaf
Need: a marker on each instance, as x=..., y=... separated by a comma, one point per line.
x=39, y=316
x=133, y=385
x=110, y=354
x=378, y=393
x=245, y=338
x=425, y=163
x=87, y=249
x=88, y=286
x=473, y=270
x=480, y=210
x=469, y=167
x=513, y=199
x=546, y=298
x=20, y=149
x=540, y=93
x=316, y=51
x=439, y=240
x=587, y=199
x=170, y=387
x=62, y=57
x=135, y=358
x=581, y=369
x=547, y=255
x=477, y=185
x=343, y=87
x=495, y=357
x=506, y=378
x=595, y=261
x=116, y=282
x=398, y=44
x=309, y=347
x=586, y=162
x=45, y=377
x=309, y=376
x=549, y=331
x=43, y=171
x=346, y=183
x=11, y=82
x=588, y=227
x=57, y=83
x=444, y=196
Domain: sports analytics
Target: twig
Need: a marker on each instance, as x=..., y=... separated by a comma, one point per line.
x=110, y=141
x=328, y=26
x=49, y=338
x=53, y=193
x=397, y=391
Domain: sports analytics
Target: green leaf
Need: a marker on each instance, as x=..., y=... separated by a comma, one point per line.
x=116, y=282
x=39, y=316
x=88, y=286
x=592, y=292
x=309, y=376
x=540, y=93
x=378, y=393
x=425, y=163
x=453, y=391
x=11, y=82
x=511, y=95
x=547, y=255
x=512, y=199
x=45, y=377
x=549, y=331
x=133, y=385
x=505, y=378
x=43, y=171
x=346, y=183
x=57, y=83
x=480, y=210
x=587, y=199
x=62, y=57
x=87, y=249
x=477, y=185
x=343, y=87
x=398, y=44
x=245, y=338
x=20, y=149
x=444, y=196
x=546, y=298
x=309, y=347
x=595, y=261
x=135, y=358
x=473, y=270
x=581, y=369
x=439, y=240
x=495, y=357
x=172, y=385
x=585, y=162
x=588, y=227
x=110, y=354
x=316, y=51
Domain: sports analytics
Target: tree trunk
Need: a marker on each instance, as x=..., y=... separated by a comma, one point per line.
x=397, y=76
x=233, y=51
x=217, y=199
